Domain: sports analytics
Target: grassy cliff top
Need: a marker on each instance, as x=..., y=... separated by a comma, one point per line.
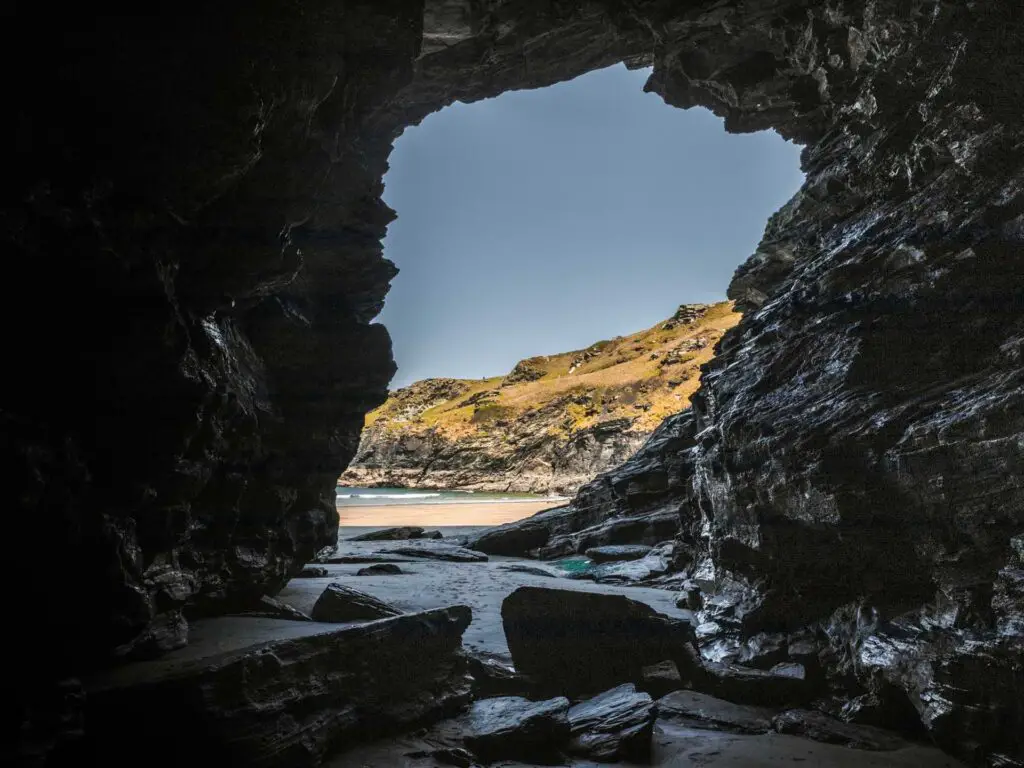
x=643, y=377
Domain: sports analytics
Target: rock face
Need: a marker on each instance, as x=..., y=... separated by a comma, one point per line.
x=551, y=424
x=300, y=698
x=192, y=212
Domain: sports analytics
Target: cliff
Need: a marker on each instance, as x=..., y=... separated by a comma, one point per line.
x=551, y=424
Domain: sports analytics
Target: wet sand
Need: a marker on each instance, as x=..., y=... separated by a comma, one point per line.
x=434, y=515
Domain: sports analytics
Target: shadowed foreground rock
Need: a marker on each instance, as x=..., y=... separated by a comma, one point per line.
x=615, y=725
x=582, y=642
x=339, y=603
x=511, y=727
x=284, y=703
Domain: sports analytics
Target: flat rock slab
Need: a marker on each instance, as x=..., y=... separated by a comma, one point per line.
x=312, y=572
x=401, y=533
x=438, y=552
x=699, y=710
x=339, y=603
x=533, y=570
x=511, y=539
x=615, y=725
x=617, y=552
x=282, y=703
x=369, y=557
x=821, y=727
x=585, y=642
x=269, y=608
x=511, y=727
x=380, y=569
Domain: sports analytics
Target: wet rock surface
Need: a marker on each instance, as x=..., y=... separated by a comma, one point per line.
x=615, y=725
x=815, y=725
x=380, y=569
x=513, y=727
x=339, y=603
x=610, y=554
x=448, y=552
x=704, y=711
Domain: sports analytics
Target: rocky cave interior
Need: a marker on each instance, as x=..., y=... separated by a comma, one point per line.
x=193, y=221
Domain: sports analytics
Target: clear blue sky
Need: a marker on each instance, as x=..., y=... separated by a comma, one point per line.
x=543, y=221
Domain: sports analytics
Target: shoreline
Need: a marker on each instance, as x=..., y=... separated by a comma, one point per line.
x=428, y=515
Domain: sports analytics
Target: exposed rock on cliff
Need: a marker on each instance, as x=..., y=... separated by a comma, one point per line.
x=551, y=424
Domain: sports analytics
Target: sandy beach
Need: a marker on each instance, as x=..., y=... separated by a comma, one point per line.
x=434, y=515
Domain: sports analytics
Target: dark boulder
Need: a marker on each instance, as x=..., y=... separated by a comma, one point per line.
x=312, y=572
x=339, y=603
x=380, y=569
x=615, y=725
x=432, y=535
x=820, y=727
x=785, y=685
x=511, y=727
x=616, y=552
x=493, y=677
x=402, y=533
x=587, y=642
x=515, y=539
x=698, y=710
x=271, y=608
x=533, y=570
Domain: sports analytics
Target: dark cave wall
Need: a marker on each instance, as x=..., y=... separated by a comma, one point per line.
x=192, y=221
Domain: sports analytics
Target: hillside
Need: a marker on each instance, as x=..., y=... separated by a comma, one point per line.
x=551, y=424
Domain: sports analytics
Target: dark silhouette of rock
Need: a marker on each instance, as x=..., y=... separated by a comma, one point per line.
x=511, y=727
x=390, y=534
x=513, y=539
x=614, y=553
x=380, y=569
x=339, y=603
x=286, y=702
x=612, y=726
x=745, y=685
x=493, y=677
x=271, y=608
x=165, y=633
x=700, y=710
x=435, y=534
x=439, y=552
x=820, y=727
x=312, y=572
x=577, y=642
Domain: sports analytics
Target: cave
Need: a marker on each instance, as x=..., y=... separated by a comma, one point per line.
x=192, y=223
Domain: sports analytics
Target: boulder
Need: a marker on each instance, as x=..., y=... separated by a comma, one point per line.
x=442, y=552
x=401, y=533
x=312, y=572
x=369, y=557
x=285, y=703
x=698, y=710
x=615, y=725
x=432, y=535
x=617, y=552
x=339, y=603
x=646, y=529
x=782, y=686
x=493, y=677
x=514, y=539
x=660, y=679
x=820, y=727
x=514, y=728
x=576, y=642
x=380, y=569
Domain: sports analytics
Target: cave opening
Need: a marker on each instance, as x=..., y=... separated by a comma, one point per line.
x=195, y=205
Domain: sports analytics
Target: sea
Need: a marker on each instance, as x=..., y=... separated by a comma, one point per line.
x=352, y=496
